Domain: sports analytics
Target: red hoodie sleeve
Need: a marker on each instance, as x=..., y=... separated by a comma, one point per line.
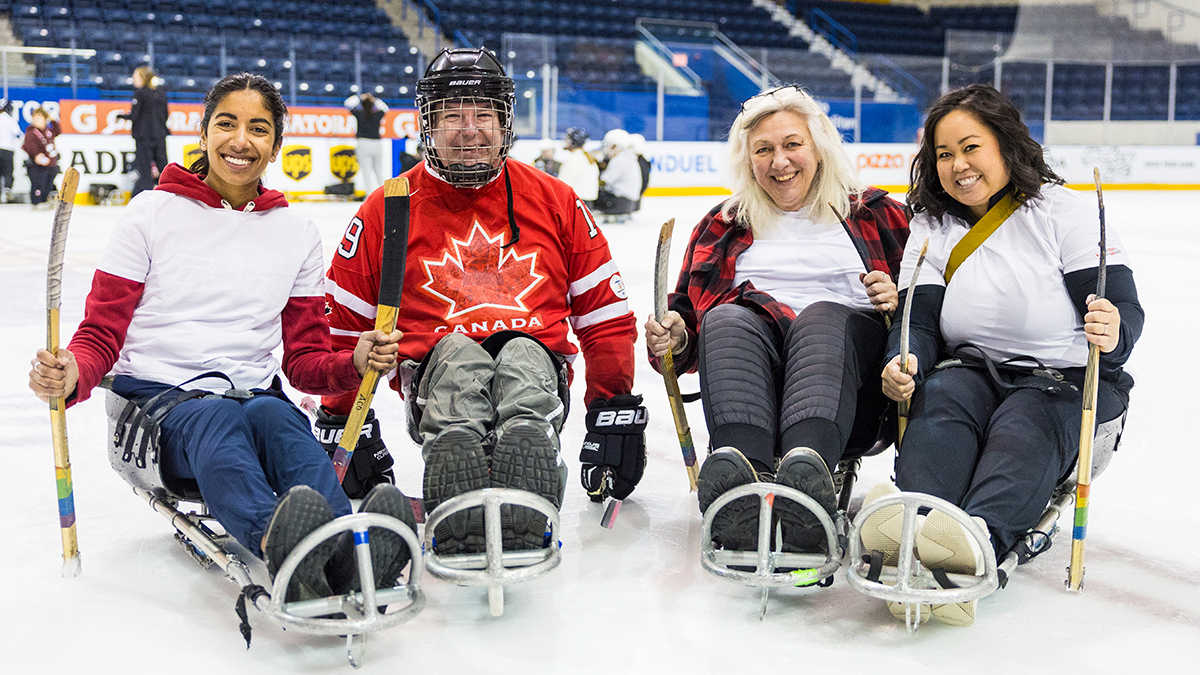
x=309, y=362
x=98, y=340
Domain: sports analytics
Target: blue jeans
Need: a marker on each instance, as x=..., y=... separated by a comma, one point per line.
x=243, y=454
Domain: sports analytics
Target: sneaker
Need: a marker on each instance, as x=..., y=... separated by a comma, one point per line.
x=943, y=543
x=735, y=527
x=456, y=465
x=389, y=552
x=881, y=531
x=804, y=470
x=300, y=511
x=525, y=459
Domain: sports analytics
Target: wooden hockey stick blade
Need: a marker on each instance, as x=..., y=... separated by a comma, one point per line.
x=662, y=257
x=1087, y=424
x=72, y=564
x=905, y=320
x=391, y=281
x=610, y=513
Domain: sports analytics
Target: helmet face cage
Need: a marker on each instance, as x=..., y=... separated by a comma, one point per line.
x=465, y=104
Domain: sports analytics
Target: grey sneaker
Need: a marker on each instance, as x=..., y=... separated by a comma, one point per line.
x=456, y=465
x=525, y=459
x=389, y=552
x=804, y=470
x=299, y=511
x=735, y=527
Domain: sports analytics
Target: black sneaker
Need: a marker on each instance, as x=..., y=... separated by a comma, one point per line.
x=299, y=511
x=804, y=470
x=735, y=527
x=389, y=552
x=456, y=465
x=525, y=459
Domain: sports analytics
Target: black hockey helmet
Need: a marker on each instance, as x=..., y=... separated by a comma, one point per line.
x=6, y=105
x=467, y=77
x=576, y=137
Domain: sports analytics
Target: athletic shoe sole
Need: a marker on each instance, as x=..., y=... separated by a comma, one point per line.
x=881, y=530
x=735, y=526
x=943, y=543
x=300, y=511
x=804, y=470
x=389, y=552
x=456, y=465
x=525, y=459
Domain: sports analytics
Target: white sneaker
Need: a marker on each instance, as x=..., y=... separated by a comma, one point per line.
x=881, y=530
x=942, y=542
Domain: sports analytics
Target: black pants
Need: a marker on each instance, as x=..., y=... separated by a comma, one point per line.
x=148, y=151
x=6, y=170
x=41, y=181
x=997, y=453
x=610, y=204
x=818, y=389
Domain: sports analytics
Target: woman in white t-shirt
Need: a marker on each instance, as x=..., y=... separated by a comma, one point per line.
x=997, y=440
x=781, y=309
x=203, y=279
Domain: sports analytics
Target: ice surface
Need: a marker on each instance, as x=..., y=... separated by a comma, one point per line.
x=631, y=599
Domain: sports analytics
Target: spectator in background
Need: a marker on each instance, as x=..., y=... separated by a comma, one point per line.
x=637, y=143
x=579, y=169
x=408, y=161
x=148, y=113
x=546, y=161
x=369, y=112
x=621, y=180
x=42, y=165
x=10, y=140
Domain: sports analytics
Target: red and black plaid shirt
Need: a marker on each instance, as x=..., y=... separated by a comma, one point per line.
x=877, y=223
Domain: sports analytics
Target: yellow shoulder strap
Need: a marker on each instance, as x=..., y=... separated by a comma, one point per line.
x=980, y=232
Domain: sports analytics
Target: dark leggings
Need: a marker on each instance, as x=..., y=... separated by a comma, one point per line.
x=819, y=389
x=997, y=453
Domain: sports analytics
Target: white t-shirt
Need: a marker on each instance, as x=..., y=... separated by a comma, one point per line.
x=216, y=282
x=801, y=262
x=1008, y=297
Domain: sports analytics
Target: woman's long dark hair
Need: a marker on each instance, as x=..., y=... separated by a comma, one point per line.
x=1023, y=157
x=272, y=100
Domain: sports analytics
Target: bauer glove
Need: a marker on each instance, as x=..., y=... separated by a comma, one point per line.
x=371, y=463
x=614, y=449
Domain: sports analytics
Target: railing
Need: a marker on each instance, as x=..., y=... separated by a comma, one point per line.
x=665, y=53
x=898, y=78
x=833, y=31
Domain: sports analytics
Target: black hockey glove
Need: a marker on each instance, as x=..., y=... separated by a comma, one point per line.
x=614, y=450
x=371, y=463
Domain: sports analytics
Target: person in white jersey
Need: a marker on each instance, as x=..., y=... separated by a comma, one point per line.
x=776, y=310
x=997, y=440
x=205, y=277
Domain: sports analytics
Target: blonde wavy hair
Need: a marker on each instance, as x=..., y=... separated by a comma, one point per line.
x=835, y=181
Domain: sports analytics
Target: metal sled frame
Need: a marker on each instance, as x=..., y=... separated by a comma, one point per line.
x=809, y=568
x=360, y=607
x=495, y=567
x=910, y=583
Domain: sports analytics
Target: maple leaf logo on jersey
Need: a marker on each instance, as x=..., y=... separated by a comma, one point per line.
x=479, y=273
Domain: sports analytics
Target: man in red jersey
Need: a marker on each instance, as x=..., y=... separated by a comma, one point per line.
x=503, y=263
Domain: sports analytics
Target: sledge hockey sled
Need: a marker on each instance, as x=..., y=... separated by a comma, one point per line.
x=767, y=568
x=495, y=567
x=133, y=453
x=911, y=584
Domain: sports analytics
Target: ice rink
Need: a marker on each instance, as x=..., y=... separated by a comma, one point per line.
x=633, y=599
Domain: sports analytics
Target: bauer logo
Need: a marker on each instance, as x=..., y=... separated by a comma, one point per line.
x=191, y=153
x=297, y=161
x=464, y=83
x=343, y=162
x=622, y=418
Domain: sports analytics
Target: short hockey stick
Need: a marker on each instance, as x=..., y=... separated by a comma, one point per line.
x=863, y=254
x=72, y=564
x=391, y=281
x=662, y=258
x=1087, y=425
x=902, y=406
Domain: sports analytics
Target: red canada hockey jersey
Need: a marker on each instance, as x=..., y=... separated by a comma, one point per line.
x=460, y=278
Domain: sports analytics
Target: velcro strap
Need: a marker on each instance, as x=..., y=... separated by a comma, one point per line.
x=942, y=578
x=874, y=560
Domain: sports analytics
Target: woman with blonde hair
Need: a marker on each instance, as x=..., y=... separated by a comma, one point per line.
x=776, y=312
x=148, y=115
